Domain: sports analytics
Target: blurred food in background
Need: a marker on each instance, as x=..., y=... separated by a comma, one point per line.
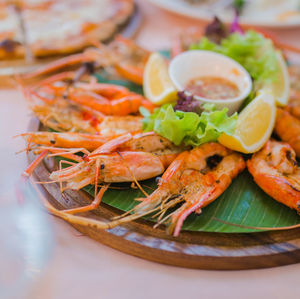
x=56, y=27
x=273, y=13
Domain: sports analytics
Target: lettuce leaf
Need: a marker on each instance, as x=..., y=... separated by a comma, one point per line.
x=253, y=51
x=188, y=127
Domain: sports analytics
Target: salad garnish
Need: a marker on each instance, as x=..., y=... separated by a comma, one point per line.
x=254, y=52
x=187, y=103
x=216, y=31
x=192, y=124
x=189, y=128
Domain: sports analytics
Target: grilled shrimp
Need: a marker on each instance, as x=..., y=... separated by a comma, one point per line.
x=293, y=106
x=123, y=55
x=117, y=125
x=287, y=125
x=66, y=140
x=275, y=170
x=294, y=103
x=184, y=40
x=195, y=179
x=60, y=114
x=63, y=115
x=110, y=128
x=126, y=158
x=82, y=106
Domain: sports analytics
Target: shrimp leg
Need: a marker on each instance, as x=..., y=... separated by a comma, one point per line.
x=94, y=204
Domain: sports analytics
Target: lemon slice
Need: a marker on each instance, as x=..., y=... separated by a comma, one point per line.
x=281, y=87
x=158, y=87
x=254, y=126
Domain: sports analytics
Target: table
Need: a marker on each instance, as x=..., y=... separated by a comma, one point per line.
x=82, y=268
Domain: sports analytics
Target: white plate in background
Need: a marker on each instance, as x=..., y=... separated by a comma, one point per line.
x=264, y=13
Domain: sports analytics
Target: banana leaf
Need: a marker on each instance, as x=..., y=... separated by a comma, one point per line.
x=243, y=203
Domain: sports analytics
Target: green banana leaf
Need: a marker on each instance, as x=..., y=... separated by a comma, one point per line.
x=243, y=203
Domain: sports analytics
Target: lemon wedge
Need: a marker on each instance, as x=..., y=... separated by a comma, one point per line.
x=158, y=87
x=254, y=126
x=281, y=87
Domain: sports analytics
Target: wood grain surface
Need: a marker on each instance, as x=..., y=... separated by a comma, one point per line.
x=202, y=250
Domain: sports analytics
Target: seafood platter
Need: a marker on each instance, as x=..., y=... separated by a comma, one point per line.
x=186, y=157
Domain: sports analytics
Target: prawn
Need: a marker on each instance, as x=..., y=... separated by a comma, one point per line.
x=275, y=170
x=287, y=127
x=293, y=106
x=78, y=112
x=66, y=140
x=126, y=158
x=90, y=99
x=123, y=55
x=194, y=179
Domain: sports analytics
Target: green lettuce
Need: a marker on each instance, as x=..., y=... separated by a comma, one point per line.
x=188, y=127
x=253, y=51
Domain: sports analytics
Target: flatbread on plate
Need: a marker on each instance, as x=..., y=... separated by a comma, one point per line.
x=58, y=26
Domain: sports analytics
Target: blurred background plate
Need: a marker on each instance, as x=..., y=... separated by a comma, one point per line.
x=263, y=13
x=20, y=66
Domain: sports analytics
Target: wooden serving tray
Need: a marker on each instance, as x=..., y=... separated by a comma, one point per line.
x=201, y=250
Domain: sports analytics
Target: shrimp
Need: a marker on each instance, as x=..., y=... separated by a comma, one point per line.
x=275, y=170
x=55, y=142
x=78, y=112
x=117, y=125
x=87, y=103
x=184, y=40
x=293, y=106
x=131, y=59
x=126, y=158
x=287, y=127
x=60, y=115
x=123, y=55
x=195, y=179
x=66, y=140
x=128, y=104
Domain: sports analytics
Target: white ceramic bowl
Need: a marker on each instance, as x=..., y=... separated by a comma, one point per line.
x=197, y=63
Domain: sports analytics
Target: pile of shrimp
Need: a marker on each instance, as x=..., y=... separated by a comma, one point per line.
x=75, y=101
x=102, y=123
x=288, y=118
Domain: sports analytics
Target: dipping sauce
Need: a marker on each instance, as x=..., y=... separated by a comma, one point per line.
x=214, y=88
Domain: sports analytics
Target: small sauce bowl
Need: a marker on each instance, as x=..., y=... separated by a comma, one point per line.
x=195, y=64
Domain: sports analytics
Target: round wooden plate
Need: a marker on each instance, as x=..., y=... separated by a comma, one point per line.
x=202, y=250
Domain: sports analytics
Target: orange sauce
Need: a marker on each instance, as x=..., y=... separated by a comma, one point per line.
x=213, y=88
